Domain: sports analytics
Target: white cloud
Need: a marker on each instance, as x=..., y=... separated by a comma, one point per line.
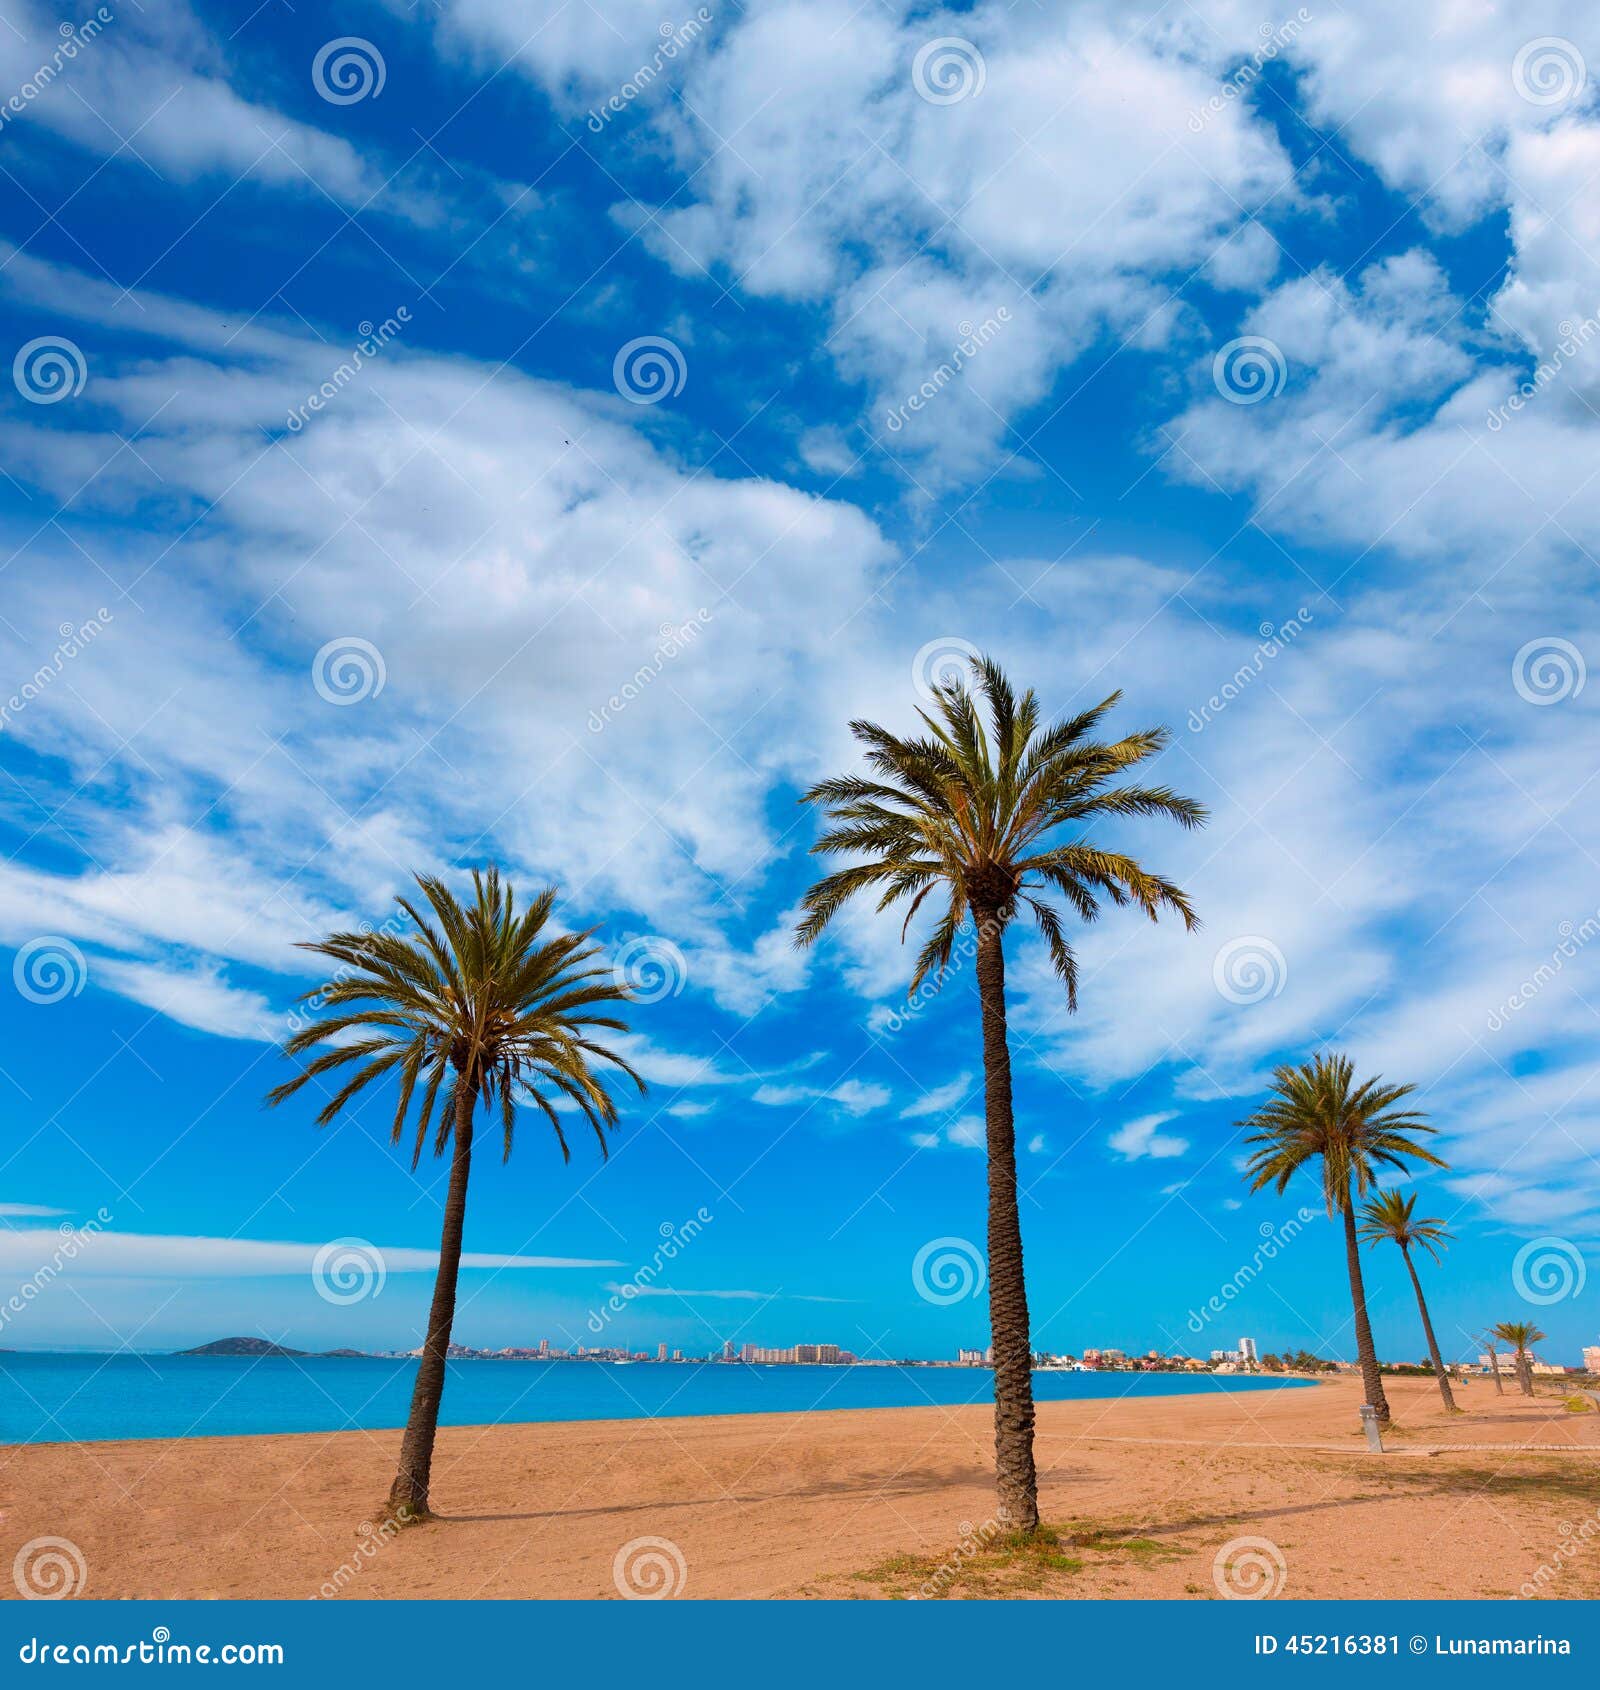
x=434, y=483
x=197, y=997
x=855, y=1097
x=156, y=90
x=827, y=451
x=1068, y=194
x=632, y=1290
x=966, y=1132
x=1139, y=1138
x=939, y=1099
x=858, y=1097
x=174, y=1256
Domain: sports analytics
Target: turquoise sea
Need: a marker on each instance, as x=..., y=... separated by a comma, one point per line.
x=73, y=1398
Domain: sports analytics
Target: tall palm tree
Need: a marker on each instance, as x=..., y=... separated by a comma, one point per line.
x=485, y=1007
x=1390, y=1215
x=993, y=817
x=1521, y=1335
x=1489, y=1341
x=1316, y=1112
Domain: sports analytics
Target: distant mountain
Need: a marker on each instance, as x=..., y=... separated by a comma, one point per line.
x=241, y=1347
x=253, y=1347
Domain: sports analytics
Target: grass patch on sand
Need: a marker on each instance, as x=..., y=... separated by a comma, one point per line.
x=1009, y=1563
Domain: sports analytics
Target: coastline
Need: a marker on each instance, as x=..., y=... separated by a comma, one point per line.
x=830, y=1503
x=122, y=1398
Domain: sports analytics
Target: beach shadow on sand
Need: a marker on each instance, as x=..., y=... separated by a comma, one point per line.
x=865, y=1489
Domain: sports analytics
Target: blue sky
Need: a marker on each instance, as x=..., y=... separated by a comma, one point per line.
x=351, y=531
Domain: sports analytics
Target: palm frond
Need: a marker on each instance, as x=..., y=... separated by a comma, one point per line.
x=977, y=803
x=1315, y=1113
x=472, y=998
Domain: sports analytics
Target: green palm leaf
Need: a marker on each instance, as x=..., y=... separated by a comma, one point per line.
x=972, y=804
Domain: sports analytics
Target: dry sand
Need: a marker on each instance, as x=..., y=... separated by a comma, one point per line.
x=1144, y=1492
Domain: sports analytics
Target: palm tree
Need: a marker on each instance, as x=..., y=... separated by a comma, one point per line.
x=486, y=1002
x=1494, y=1362
x=1521, y=1335
x=1316, y=1111
x=976, y=812
x=1389, y=1215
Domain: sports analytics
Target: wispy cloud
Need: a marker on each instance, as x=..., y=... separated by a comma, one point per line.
x=1140, y=1138
x=855, y=1097
x=182, y=1256
x=741, y=1296
x=939, y=1099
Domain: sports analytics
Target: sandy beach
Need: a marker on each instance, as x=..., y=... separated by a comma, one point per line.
x=879, y=1503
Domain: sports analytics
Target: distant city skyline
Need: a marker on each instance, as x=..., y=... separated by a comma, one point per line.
x=1246, y=1356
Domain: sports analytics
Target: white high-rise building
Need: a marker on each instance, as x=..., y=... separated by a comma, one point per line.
x=1247, y=1351
x=1591, y=1358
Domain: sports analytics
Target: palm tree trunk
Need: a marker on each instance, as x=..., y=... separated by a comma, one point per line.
x=1525, y=1372
x=1427, y=1327
x=1015, y=1479
x=1366, y=1354
x=1494, y=1368
x=408, y=1497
